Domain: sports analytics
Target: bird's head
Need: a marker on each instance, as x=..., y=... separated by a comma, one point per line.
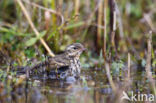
x=75, y=49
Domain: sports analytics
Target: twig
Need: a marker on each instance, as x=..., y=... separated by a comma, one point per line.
x=33, y=27
x=148, y=62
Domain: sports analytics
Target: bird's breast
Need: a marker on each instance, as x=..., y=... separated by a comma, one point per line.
x=75, y=66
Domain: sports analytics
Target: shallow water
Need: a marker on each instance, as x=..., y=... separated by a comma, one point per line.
x=92, y=87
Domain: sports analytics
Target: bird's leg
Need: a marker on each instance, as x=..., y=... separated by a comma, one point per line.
x=56, y=68
x=57, y=76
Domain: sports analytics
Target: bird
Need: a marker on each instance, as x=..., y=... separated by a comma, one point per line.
x=61, y=65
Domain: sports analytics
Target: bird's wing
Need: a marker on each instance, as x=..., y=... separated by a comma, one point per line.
x=58, y=61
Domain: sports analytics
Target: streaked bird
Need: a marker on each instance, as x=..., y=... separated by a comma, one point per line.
x=62, y=65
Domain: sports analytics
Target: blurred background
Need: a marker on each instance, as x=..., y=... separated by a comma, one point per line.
x=62, y=22
x=109, y=29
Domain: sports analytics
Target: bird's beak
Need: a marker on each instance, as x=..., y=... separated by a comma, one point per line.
x=84, y=49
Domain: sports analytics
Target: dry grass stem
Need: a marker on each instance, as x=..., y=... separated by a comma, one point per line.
x=99, y=31
x=113, y=25
x=110, y=77
x=47, y=9
x=33, y=27
x=149, y=21
x=129, y=64
x=148, y=62
x=120, y=22
x=77, y=6
x=105, y=29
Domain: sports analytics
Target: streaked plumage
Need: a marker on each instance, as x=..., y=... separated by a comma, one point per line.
x=61, y=65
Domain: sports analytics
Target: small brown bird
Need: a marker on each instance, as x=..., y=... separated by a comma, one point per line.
x=63, y=65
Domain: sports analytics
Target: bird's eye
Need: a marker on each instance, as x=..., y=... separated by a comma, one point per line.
x=74, y=48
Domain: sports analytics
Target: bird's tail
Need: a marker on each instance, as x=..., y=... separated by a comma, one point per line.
x=22, y=70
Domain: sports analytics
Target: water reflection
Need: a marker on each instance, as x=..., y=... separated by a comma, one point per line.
x=93, y=87
x=89, y=90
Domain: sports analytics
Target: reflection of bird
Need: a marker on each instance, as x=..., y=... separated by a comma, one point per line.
x=62, y=65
